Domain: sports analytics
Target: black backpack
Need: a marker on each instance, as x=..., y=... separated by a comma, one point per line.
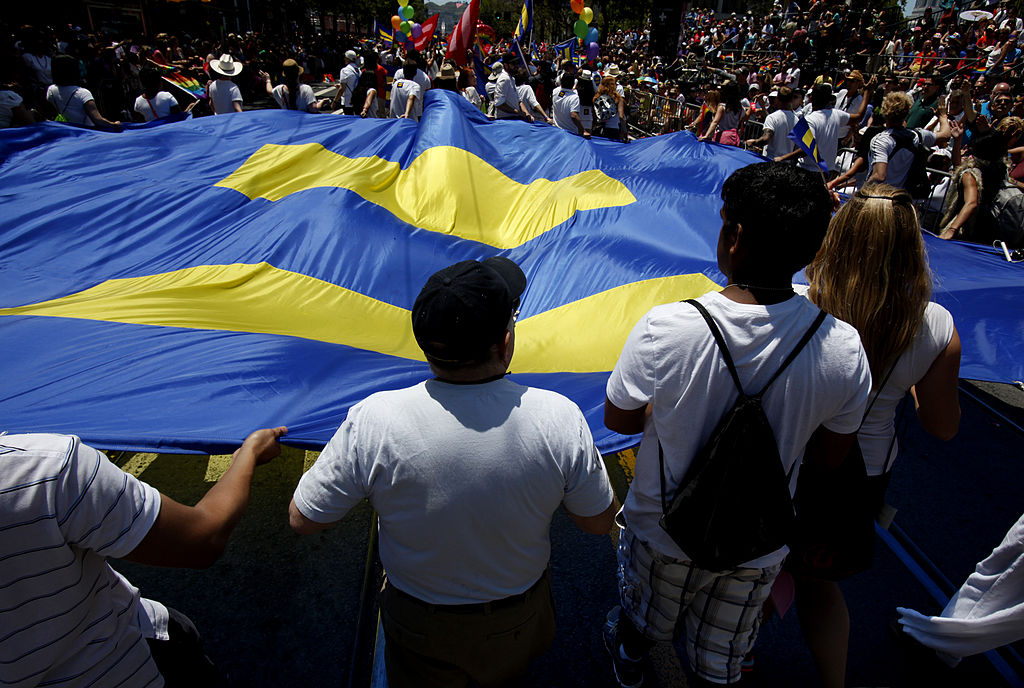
x=604, y=108
x=734, y=504
x=917, y=182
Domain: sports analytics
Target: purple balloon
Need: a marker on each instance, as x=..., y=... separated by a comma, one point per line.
x=592, y=51
x=416, y=30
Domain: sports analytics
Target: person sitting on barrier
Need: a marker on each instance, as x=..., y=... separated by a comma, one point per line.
x=67, y=617
x=871, y=272
x=465, y=471
x=978, y=211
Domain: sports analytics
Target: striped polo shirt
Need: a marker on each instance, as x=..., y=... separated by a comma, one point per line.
x=66, y=617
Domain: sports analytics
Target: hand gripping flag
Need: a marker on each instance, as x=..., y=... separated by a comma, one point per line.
x=179, y=285
x=525, y=25
x=464, y=34
x=803, y=137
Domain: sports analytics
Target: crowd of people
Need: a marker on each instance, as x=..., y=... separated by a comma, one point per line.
x=486, y=462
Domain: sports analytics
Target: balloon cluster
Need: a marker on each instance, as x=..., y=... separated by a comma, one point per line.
x=583, y=30
x=402, y=23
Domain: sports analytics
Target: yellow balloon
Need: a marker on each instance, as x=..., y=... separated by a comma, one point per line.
x=587, y=15
x=403, y=3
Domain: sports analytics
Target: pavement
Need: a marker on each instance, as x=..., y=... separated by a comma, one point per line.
x=280, y=609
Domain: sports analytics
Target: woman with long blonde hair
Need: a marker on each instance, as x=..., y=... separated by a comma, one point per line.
x=872, y=272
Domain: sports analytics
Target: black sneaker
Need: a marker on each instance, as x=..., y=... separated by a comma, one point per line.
x=628, y=672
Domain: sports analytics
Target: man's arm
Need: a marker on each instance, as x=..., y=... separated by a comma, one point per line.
x=764, y=138
x=625, y=422
x=869, y=90
x=599, y=524
x=878, y=172
x=195, y=536
x=828, y=449
x=302, y=525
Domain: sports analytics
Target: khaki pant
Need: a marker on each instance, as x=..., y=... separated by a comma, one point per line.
x=486, y=644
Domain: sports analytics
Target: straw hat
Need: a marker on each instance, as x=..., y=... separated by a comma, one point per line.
x=290, y=64
x=226, y=66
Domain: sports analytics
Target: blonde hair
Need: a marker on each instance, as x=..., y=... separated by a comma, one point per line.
x=872, y=272
x=896, y=106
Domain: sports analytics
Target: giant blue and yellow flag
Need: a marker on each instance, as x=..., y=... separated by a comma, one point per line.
x=174, y=287
x=525, y=25
x=803, y=137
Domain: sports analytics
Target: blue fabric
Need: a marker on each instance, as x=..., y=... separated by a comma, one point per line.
x=81, y=207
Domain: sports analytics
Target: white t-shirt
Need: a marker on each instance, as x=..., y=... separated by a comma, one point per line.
x=67, y=618
x=780, y=123
x=8, y=101
x=348, y=77
x=849, y=105
x=158, y=106
x=931, y=339
x=670, y=360
x=223, y=93
x=424, y=83
x=465, y=479
x=304, y=100
x=70, y=101
x=505, y=93
x=472, y=95
x=528, y=98
x=401, y=90
x=564, y=102
x=883, y=149
x=825, y=125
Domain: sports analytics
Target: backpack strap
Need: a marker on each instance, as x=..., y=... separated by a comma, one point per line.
x=720, y=341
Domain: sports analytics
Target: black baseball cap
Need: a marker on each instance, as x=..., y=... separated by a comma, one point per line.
x=465, y=308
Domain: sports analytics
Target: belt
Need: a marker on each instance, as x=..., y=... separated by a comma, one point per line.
x=475, y=607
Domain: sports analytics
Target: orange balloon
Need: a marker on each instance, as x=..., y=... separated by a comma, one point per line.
x=576, y=5
x=396, y=21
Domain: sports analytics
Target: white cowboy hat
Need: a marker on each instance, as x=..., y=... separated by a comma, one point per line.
x=613, y=70
x=226, y=65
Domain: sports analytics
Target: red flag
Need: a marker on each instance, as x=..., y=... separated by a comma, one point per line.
x=465, y=31
x=427, y=32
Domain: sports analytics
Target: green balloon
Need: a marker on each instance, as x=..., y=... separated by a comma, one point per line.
x=408, y=11
x=580, y=28
x=406, y=27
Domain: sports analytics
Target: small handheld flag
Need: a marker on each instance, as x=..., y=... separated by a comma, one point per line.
x=803, y=137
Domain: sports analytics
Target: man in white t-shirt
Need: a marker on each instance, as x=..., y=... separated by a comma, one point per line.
x=529, y=100
x=565, y=107
x=347, y=79
x=405, y=93
x=777, y=126
x=506, y=99
x=464, y=471
x=825, y=123
x=67, y=617
x=891, y=154
x=672, y=384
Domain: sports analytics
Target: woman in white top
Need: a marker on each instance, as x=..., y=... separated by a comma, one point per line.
x=872, y=272
x=70, y=102
x=154, y=103
x=291, y=95
x=225, y=95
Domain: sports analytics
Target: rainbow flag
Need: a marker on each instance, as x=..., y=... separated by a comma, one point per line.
x=485, y=37
x=175, y=77
x=803, y=137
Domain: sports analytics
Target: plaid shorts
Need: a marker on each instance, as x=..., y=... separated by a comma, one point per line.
x=721, y=610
